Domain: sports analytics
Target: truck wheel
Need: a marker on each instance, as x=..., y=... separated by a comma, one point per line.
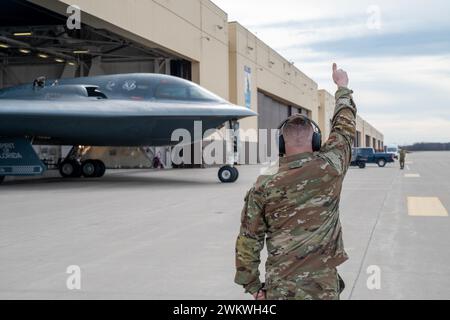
x=362, y=165
x=2, y=178
x=381, y=163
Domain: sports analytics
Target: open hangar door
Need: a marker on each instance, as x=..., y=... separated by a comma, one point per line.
x=272, y=111
x=36, y=42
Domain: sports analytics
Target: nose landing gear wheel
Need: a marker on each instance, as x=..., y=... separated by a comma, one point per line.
x=228, y=174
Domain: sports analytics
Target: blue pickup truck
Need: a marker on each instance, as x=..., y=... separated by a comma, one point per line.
x=362, y=156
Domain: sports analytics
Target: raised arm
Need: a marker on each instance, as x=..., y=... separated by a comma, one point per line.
x=250, y=242
x=337, y=150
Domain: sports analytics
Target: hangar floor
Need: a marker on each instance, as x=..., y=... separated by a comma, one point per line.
x=157, y=235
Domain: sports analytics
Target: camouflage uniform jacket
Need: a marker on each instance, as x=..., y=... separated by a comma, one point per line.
x=402, y=155
x=298, y=210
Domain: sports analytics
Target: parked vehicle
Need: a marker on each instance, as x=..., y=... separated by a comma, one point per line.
x=394, y=149
x=368, y=155
x=358, y=160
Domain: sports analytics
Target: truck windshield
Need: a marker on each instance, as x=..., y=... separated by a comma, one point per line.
x=365, y=151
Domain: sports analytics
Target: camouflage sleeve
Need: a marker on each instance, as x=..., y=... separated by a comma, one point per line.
x=337, y=150
x=250, y=242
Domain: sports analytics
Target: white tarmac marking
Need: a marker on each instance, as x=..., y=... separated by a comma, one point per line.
x=426, y=207
x=412, y=175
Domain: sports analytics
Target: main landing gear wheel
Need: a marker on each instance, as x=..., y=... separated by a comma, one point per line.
x=70, y=169
x=93, y=168
x=101, y=168
x=89, y=169
x=228, y=174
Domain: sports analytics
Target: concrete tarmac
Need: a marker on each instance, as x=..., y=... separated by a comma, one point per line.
x=170, y=234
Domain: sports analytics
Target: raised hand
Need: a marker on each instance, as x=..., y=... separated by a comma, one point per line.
x=340, y=77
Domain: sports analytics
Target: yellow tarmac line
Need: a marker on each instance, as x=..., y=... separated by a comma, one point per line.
x=426, y=207
x=412, y=175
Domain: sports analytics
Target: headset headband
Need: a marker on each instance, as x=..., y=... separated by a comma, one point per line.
x=300, y=116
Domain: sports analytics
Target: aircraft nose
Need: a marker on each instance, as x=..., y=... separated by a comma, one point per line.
x=244, y=112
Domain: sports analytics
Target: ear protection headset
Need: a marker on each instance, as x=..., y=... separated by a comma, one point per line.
x=316, y=139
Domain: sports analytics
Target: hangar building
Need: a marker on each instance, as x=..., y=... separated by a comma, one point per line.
x=191, y=39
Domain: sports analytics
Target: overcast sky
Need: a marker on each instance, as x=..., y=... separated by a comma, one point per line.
x=397, y=53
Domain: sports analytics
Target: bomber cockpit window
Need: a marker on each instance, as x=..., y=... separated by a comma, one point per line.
x=134, y=89
x=169, y=91
x=181, y=91
x=196, y=93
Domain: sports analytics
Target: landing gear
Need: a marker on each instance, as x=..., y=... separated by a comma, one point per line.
x=73, y=167
x=93, y=169
x=228, y=174
x=70, y=169
x=101, y=168
x=87, y=169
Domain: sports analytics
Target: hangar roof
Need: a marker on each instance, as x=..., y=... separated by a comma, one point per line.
x=49, y=38
x=16, y=13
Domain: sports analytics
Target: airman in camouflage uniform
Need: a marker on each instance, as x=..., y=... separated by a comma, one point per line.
x=296, y=211
x=402, y=158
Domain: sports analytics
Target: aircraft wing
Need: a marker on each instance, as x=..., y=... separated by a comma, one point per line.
x=104, y=122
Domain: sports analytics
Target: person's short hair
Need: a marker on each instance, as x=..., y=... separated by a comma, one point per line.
x=298, y=131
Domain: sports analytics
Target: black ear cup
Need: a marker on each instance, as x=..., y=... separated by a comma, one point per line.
x=281, y=145
x=316, y=139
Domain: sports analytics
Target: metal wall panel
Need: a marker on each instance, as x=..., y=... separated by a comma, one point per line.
x=271, y=112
